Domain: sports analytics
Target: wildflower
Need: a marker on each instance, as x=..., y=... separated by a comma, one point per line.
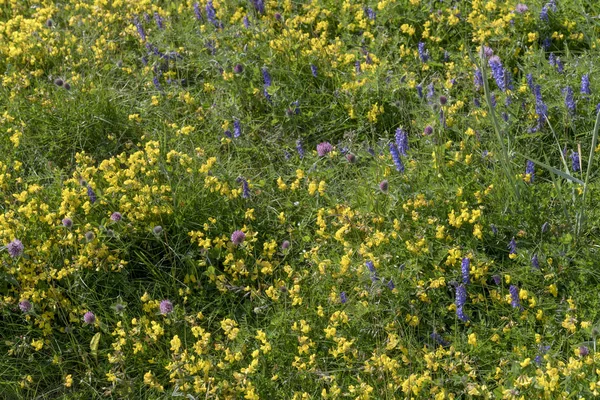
x=89, y=318
x=420, y=90
x=560, y=67
x=369, y=13
x=460, y=313
x=89, y=236
x=116, y=216
x=238, y=68
x=324, y=148
x=569, y=101
x=351, y=158
x=530, y=170
x=497, y=280
x=285, y=245
x=299, y=148
x=443, y=100
x=391, y=285
x=58, y=82
x=238, y=237
x=541, y=108
x=211, y=14
x=15, y=248
x=521, y=8
x=166, y=306
x=512, y=246
x=25, y=306
x=461, y=299
x=430, y=91
x=494, y=229
x=466, y=263
x=246, y=22
x=487, y=51
x=396, y=157
x=91, y=194
x=575, y=161
x=428, y=130
x=357, y=67
x=139, y=28
x=478, y=79
x=343, y=297
x=585, y=84
x=535, y=262
x=67, y=86
x=514, y=296
x=237, y=129
x=259, y=5
x=476, y=102
x=267, y=82
x=383, y=186
x=493, y=99
x=544, y=13
x=313, y=70
x=583, y=351
x=423, y=53
x=156, y=83
x=160, y=22
x=438, y=338
x=402, y=141
x=245, y=187
x=197, y=12
x=529, y=79
x=498, y=72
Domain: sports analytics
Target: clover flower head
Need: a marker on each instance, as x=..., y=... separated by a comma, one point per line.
x=324, y=148
x=25, y=306
x=89, y=318
x=166, y=306
x=238, y=237
x=15, y=248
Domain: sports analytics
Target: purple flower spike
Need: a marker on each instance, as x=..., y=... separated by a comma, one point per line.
x=466, y=263
x=384, y=186
x=402, y=141
x=514, y=296
x=575, y=161
x=116, y=216
x=530, y=169
x=585, y=84
x=343, y=297
x=498, y=72
x=396, y=157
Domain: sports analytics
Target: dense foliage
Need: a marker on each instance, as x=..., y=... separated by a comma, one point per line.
x=299, y=199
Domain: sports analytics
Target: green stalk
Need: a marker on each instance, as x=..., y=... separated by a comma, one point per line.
x=505, y=158
x=580, y=216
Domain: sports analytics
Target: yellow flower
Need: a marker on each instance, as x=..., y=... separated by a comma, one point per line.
x=68, y=381
x=473, y=339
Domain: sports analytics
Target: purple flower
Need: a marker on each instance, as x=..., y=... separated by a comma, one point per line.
x=89, y=318
x=466, y=263
x=160, y=22
x=552, y=59
x=487, y=51
x=443, y=100
x=430, y=91
x=420, y=90
x=299, y=148
x=343, y=297
x=91, y=194
x=423, y=53
x=370, y=266
x=357, y=67
x=238, y=69
x=498, y=72
x=530, y=169
x=402, y=141
x=428, y=130
x=197, y=12
x=569, y=101
x=546, y=43
x=156, y=83
x=583, y=351
x=391, y=285
x=529, y=78
x=139, y=28
x=435, y=336
x=25, y=306
x=461, y=296
x=585, y=84
x=493, y=99
x=541, y=108
x=396, y=157
x=285, y=245
x=369, y=13
x=166, y=306
x=237, y=128
x=245, y=187
x=514, y=296
x=259, y=5
x=238, y=237
x=575, y=161
x=246, y=22
x=560, y=67
x=15, y=248
x=324, y=148
x=266, y=77
x=384, y=186
x=535, y=263
x=351, y=158
x=544, y=13
x=512, y=246
x=521, y=8
x=116, y=216
x=460, y=313
x=211, y=14
x=494, y=229
x=497, y=280
x=313, y=70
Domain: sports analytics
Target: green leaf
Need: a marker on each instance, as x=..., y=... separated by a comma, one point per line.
x=94, y=344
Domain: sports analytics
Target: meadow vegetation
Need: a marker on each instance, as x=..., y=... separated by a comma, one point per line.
x=244, y=199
